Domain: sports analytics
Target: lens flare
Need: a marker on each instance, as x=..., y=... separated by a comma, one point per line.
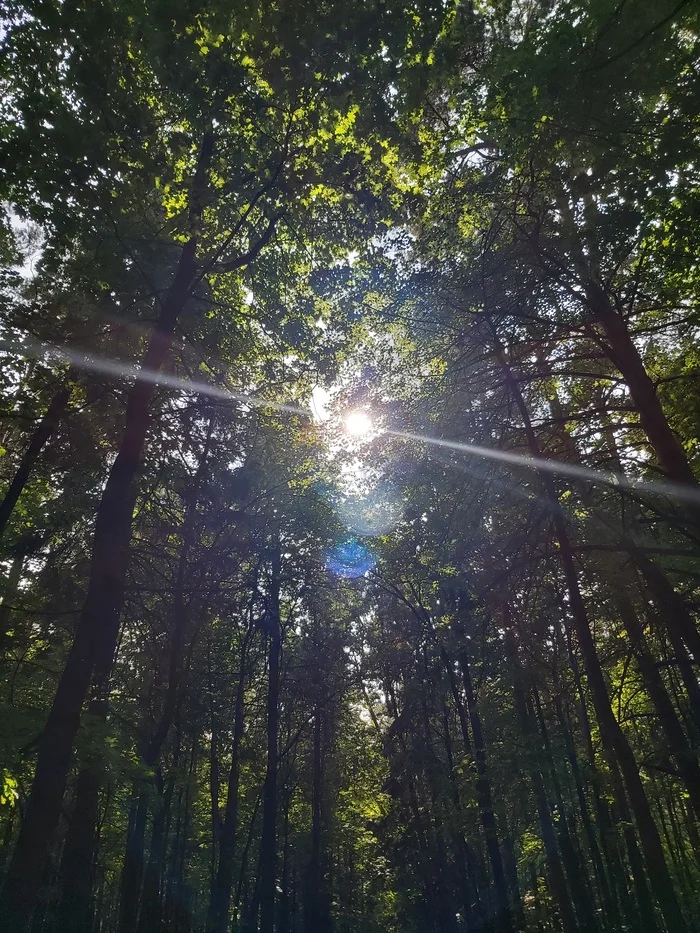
x=358, y=423
x=350, y=559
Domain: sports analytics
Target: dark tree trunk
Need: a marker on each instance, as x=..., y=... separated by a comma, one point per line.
x=220, y=901
x=268, y=841
x=614, y=740
x=609, y=903
x=89, y=784
x=76, y=910
x=672, y=612
x=132, y=868
x=284, y=913
x=468, y=891
x=98, y=627
x=477, y=911
x=316, y=914
x=503, y=920
x=616, y=869
x=616, y=744
x=151, y=912
x=42, y=434
x=557, y=881
x=575, y=871
x=424, y=855
x=670, y=724
x=626, y=358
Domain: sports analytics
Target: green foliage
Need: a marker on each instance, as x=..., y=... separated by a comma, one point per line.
x=476, y=221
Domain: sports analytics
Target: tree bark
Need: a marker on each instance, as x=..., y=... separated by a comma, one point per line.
x=503, y=920
x=98, y=627
x=132, y=868
x=557, y=881
x=316, y=915
x=614, y=740
x=576, y=874
x=76, y=910
x=42, y=434
x=222, y=888
x=268, y=840
x=625, y=356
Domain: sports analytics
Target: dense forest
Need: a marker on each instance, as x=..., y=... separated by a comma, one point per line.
x=350, y=466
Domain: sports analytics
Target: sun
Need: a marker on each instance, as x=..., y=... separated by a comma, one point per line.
x=358, y=423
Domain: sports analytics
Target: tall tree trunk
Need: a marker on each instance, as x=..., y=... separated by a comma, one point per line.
x=477, y=912
x=220, y=901
x=674, y=616
x=132, y=867
x=424, y=855
x=151, y=913
x=557, y=881
x=268, y=840
x=614, y=740
x=575, y=872
x=617, y=871
x=468, y=890
x=676, y=740
x=621, y=348
x=41, y=436
x=89, y=784
x=316, y=916
x=626, y=357
x=76, y=910
x=610, y=905
x=98, y=627
x=671, y=607
x=503, y=920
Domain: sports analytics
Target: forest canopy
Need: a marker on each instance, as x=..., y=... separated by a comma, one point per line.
x=349, y=466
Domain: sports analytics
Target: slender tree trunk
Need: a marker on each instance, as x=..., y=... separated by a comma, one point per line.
x=671, y=607
x=316, y=916
x=678, y=744
x=98, y=626
x=626, y=358
x=285, y=899
x=151, y=913
x=469, y=894
x=609, y=903
x=424, y=854
x=617, y=871
x=472, y=870
x=444, y=881
x=614, y=740
x=220, y=902
x=504, y=920
x=42, y=434
x=79, y=852
x=575, y=872
x=268, y=841
x=676, y=619
x=239, y=899
x=132, y=868
x=557, y=881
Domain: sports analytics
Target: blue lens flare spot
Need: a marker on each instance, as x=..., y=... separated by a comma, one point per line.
x=350, y=559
